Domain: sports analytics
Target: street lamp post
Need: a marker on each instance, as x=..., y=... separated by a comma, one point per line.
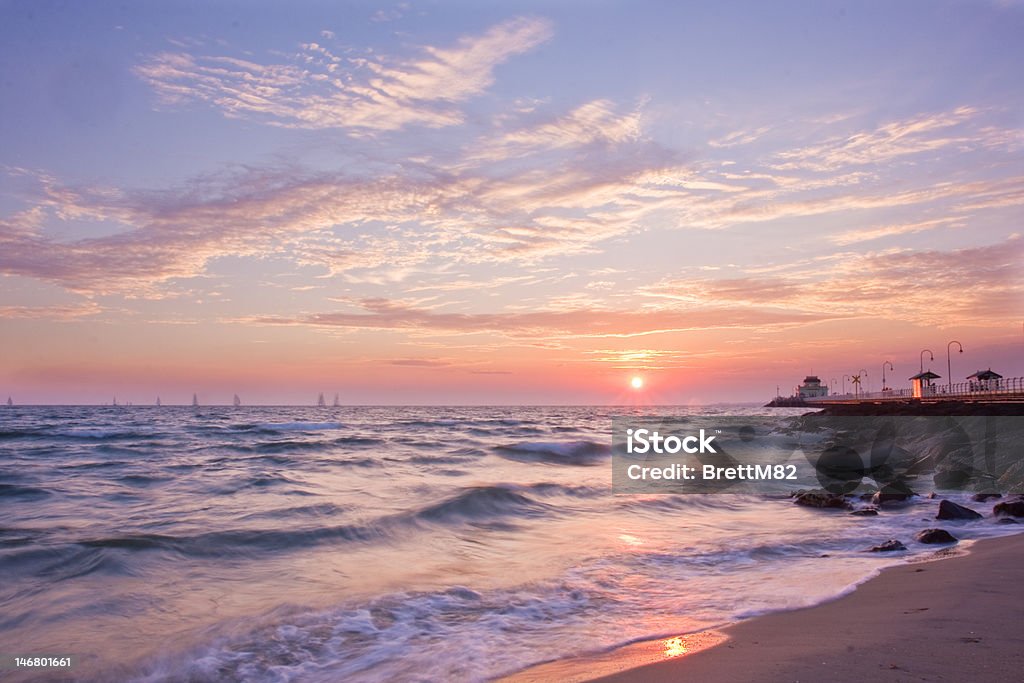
x=931, y=356
x=889, y=363
x=949, y=365
x=844, y=384
x=864, y=373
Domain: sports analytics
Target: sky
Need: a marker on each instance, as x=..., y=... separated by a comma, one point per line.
x=505, y=203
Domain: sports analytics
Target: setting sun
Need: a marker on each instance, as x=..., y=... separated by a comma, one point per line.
x=637, y=382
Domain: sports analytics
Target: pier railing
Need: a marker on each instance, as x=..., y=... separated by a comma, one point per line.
x=994, y=389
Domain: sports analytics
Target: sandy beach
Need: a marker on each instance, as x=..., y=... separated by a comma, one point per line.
x=956, y=619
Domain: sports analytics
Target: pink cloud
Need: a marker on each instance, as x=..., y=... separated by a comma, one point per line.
x=384, y=314
x=321, y=90
x=977, y=286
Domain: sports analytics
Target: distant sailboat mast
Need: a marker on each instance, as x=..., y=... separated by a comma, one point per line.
x=237, y=401
x=195, y=401
x=115, y=401
x=336, y=404
x=320, y=400
x=158, y=404
x=9, y=402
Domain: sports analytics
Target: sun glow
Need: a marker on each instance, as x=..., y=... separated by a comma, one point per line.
x=675, y=647
x=637, y=382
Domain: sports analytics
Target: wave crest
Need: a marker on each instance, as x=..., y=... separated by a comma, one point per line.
x=581, y=453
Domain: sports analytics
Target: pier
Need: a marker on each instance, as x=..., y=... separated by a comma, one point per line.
x=981, y=391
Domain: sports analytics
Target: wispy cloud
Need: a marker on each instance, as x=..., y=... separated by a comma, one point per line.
x=593, y=122
x=70, y=312
x=393, y=14
x=420, y=362
x=384, y=314
x=175, y=234
x=868, y=234
x=515, y=194
x=739, y=137
x=642, y=359
x=887, y=142
x=979, y=286
x=320, y=89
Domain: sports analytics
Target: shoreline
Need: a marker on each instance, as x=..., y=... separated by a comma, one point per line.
x=950, y=618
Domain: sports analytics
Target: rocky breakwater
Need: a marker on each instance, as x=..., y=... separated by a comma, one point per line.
x=1003, y=512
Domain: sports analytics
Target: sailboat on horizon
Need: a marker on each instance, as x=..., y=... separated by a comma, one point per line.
x=158, y=404
x=237, y=401
x=320, y=400
x=336, y=404
x=195, y=401
x=115, y=401
x=9, y=402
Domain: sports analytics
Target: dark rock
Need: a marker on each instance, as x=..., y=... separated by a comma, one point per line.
x=954, y=464
x=920, y=464
x=932, y=495
x=935, y=536
x=942, y=408
x=888, y=495
x=820, y=499
x=953, y=479
x=1013, y=508
x=1007, y=520
x=982, y=497
x=866, y=512
x=888, y=547
x=786, y=402
x=950, y=510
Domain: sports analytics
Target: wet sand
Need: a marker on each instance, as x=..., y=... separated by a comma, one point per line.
x=956, y=619
x=953, y=620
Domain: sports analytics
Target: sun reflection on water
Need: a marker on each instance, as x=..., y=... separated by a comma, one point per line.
x=675, y=647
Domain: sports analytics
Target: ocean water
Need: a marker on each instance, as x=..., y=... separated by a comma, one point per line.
x=380, y=544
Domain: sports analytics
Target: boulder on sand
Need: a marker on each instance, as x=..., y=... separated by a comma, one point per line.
x=894, y=495
x=820, y=499
x=888, y=547
x=950, y=510
x=982, y=497
x=935, y=536
x=1013, y=508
